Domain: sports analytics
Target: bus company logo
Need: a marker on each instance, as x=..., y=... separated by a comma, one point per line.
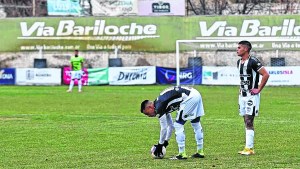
x=99, y=31
x=5, y=76
x=161, y=7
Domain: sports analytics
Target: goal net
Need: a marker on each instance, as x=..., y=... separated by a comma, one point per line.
x=194, y=54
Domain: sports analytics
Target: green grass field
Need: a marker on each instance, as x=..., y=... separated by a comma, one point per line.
x=45, y=127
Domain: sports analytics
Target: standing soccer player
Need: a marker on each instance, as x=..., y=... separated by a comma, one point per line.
x=76, y=72
x=249, y=98
x=188, y=103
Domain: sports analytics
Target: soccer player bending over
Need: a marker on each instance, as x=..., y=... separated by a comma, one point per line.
x=249, y=98
x=76, y=72
x=188, y=103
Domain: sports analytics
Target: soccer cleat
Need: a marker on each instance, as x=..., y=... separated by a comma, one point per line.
x=199, y=154
x=247, y=151
x=180, y=156
x=79, y=91
x=69, y=91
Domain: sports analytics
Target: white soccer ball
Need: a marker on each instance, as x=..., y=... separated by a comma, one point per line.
x=164, y=150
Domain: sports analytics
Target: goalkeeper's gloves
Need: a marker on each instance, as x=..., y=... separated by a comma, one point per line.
x=158, y=150
x=166, y=143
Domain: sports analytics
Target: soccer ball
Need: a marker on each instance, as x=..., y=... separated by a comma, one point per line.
x=163, y=152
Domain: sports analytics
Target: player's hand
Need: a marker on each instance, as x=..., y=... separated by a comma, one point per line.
x=158, y=150
x=254, y=91
x=166, y=143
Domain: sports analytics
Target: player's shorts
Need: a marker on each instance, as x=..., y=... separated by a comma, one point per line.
x=249, y=105
x=191, y=107
x=76, y=74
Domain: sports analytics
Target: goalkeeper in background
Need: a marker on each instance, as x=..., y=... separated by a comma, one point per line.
x=188, y=103
x=76, y=71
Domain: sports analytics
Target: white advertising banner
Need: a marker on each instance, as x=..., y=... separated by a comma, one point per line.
x=132, y=75
x=114, y=7
x=34, y=76
x=288, y=75
x=220, y=75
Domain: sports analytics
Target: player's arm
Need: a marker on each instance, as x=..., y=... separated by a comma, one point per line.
x=169, y=129
x=163, y=133
x=163, y=128
x=265, y=76
x=71, y=63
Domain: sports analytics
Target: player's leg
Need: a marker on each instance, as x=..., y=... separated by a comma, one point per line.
x=170, y=126
x=72, y=81
x=198, y=137
x=252, y=108
x=180, y=137
x=79, y=85
x=79, y=76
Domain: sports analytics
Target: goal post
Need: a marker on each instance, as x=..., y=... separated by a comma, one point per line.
x=212, y=51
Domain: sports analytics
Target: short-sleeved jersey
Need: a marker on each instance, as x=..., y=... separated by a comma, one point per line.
x=169, y=100
x=76, y=62
x=249, y=75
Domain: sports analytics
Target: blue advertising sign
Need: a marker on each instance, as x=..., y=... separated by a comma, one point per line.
x=64, y=7
x=7, y=76
x=187, y=76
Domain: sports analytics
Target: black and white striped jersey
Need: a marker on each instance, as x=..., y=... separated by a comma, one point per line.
x=249, y=74
x=169, y=100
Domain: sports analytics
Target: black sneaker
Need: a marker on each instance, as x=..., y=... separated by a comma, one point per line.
x=179, y=157
x=197, y=155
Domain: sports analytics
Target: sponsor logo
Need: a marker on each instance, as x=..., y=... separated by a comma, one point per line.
x=138, y=75
x=281, y=72
x=161, y=7
x=247, y=75
x=67, y=29
x=245, y=82
x=5, y=76
x=168, y=77
x=250, y=28
x=250, y=103
x=29, y=74
x=182, y=76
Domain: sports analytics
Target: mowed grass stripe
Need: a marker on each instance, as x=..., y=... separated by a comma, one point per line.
x=45, y=127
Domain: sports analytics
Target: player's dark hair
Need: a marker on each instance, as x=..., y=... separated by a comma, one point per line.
x=246, y=43
x=143, y=105
x=76, y=50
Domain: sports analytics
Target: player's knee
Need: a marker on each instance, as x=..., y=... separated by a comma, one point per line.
x=197, y=127
x=249, y=124
x=179, y=128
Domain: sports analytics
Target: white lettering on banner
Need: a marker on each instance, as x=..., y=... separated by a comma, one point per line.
x=219, y=26
x=186, y=75
x=250, y=28
x=5, y=75
x=69, y=28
